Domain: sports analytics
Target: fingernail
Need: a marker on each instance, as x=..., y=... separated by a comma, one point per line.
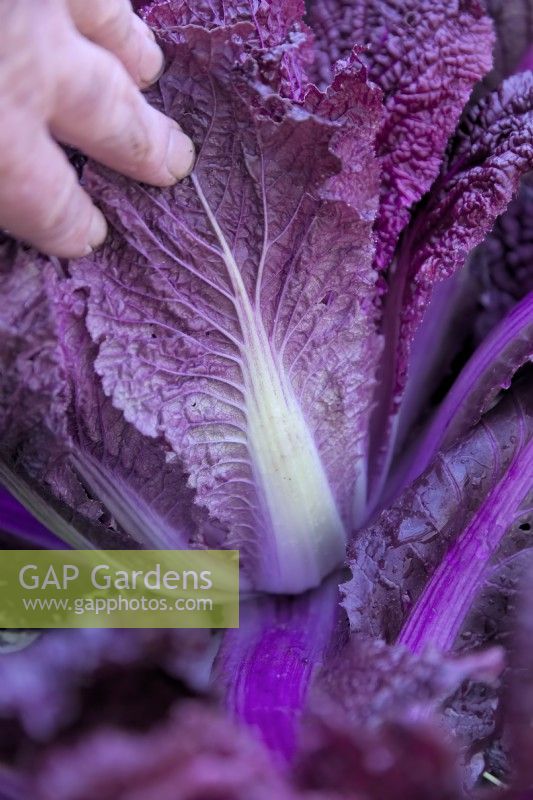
x=152, y=64
x=181, y=154
x=98, y=229
x=148, y=32
x=152, y=61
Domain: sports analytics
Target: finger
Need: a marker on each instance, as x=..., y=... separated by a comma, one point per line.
x=113, y=25
x=42, y=202
x=99, y=109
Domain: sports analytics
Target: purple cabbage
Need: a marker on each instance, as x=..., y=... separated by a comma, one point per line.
x=316, y=350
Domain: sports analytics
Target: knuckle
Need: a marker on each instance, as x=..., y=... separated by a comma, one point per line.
x=21, y=55
x=18, y=142
x=93, y=93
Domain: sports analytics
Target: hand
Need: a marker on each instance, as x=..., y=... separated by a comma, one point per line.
x=71, y=71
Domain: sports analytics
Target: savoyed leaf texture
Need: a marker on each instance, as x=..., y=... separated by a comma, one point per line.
x=491, y=152
x=31, y=396
x=426, y=56
x=233, y=313
x=466, y=308
x=207, y=379
x=277, y=36
x=478, y=312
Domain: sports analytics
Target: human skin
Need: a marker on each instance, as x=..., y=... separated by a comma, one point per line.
x=72, y=71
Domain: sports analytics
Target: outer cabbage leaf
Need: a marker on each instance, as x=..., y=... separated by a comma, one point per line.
x=426, y=56
x=491, y=152
x=438, y=570
x=129, y=474
x=466, y=307
x=373, y=682
x=371, y=698
x=52, y=408
x=279, y=39
x=442, y=609
x=271, y=20
x=31, y=396
x=233, y=313
x=419, y=568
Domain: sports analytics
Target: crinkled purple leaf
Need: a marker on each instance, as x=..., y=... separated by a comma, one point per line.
x=272, y=20
x=491, y=152
x=374, y=685
x=426, y=56
x=466, y=307
x=279, y=39
x=131, y=475
x=31, y=390
x=476, y=712
x=52, y=405
x=233, y=312
x=466, y=501
x=355, y=105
